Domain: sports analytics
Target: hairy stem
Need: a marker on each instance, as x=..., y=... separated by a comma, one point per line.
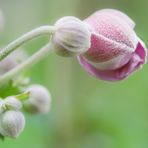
x=26, y=37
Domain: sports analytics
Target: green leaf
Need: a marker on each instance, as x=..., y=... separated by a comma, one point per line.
x=9, y=89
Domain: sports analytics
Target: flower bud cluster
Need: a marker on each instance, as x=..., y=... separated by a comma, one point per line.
x=12, y=120
x=37, y=101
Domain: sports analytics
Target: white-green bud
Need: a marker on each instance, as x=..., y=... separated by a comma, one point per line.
x=12, y=123
x=12, y=103
x=71, y=37
x=39, y=100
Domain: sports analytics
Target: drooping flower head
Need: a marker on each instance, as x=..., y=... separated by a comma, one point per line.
x=116, y=51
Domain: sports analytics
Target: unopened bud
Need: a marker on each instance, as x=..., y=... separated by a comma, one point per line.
x=13, y=103
x=12, y=60
x=72, y=36
x=11, y=123
x=39, y=100
x=116, y=51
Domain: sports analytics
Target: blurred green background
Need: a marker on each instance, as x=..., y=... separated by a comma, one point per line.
x=86, y=112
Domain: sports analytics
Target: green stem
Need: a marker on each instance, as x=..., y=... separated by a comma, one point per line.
x=26, y=37
x=28, y=63
x=23, y=96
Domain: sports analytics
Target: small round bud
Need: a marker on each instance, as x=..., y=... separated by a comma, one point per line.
x=12, y=123
x=12, y=61
x=39, y=100
x=71, y=37
x=12, y=103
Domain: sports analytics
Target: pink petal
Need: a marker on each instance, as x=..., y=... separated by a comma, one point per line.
x=103, y=49
x=119, y=14
x=111, y=37
x=113, y=28
x=134, y=63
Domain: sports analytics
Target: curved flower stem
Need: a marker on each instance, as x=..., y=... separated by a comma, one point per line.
x=28, y=63
x=26, y=37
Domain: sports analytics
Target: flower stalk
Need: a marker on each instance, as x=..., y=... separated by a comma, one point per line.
x=25, y=38
x=27, y=64
x=20, y=41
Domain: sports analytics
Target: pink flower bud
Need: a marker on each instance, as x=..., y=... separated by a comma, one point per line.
x=115, y=50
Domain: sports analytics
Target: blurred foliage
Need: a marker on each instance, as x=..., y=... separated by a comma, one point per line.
x=86, y=112
x=9, y=89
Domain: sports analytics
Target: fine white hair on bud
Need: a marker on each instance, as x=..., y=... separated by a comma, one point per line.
x=12, y=123
x=71, y=37
x=12, y=103
x=39, y=100
x=12, y=60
